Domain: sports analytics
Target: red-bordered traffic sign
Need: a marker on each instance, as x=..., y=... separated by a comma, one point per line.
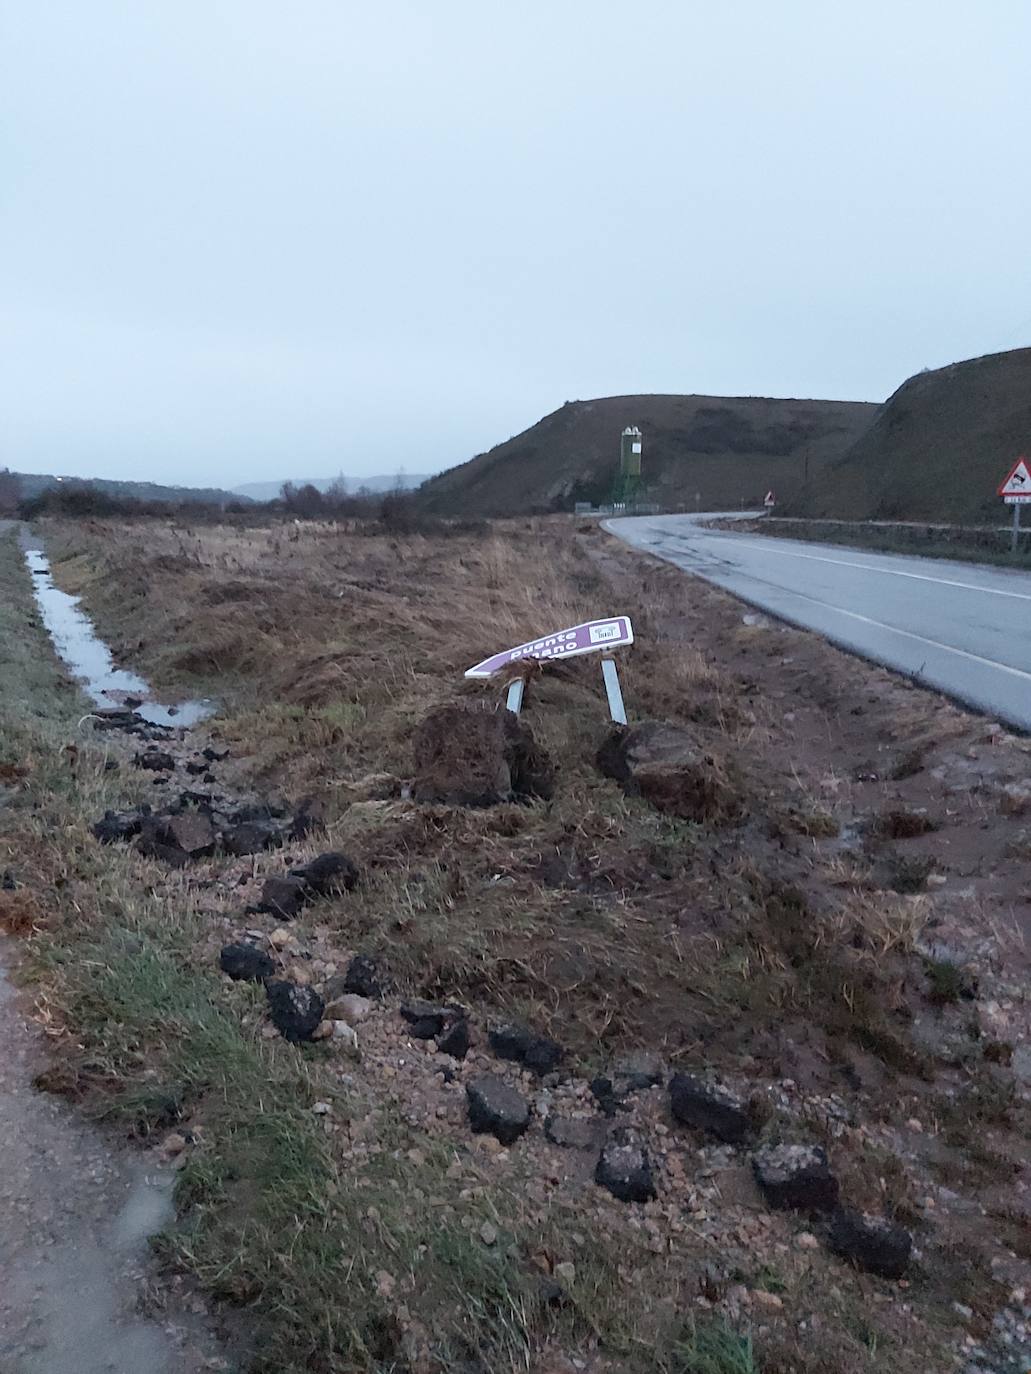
x=1016, y=490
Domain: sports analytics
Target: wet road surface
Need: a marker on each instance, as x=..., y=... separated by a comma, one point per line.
x=963, y=628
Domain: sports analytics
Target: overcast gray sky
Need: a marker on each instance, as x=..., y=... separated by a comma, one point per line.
x=248, y=239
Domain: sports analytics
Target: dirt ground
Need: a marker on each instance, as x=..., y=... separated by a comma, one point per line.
x=845, y=947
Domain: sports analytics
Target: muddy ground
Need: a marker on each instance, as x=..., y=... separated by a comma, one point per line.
x=841, y=944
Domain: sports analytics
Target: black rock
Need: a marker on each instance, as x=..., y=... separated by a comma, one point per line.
x=282, y=897
x=496, y=1109
x=308, y=819
x=156, y=760
x=328, y=874
x=119, y=825
x=295, y=1010
x=246, y=963
x=871, y=1243
x=196, y=766
x=251, y=837
x=112, y=766
x=708, y=1107
x=796, y=1177
x=604, y=1092
x=215, y=755
x=363, y=977
x=536, y=1052
x=625, y=1169
x=9, y=882
x=428, y=1020
x=455, y=1040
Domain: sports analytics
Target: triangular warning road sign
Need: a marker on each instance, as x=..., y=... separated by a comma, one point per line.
x=1018, y=483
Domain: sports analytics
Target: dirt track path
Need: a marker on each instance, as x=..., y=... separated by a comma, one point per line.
x=75, y=1214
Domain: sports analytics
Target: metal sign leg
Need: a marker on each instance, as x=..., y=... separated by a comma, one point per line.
x=616, y=708
x=514, y=700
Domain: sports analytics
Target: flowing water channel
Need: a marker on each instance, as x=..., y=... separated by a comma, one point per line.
x=89, y=660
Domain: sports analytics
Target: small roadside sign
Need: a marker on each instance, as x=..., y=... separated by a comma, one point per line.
x=1016, y=490
x=769, y=500
x=588, y=638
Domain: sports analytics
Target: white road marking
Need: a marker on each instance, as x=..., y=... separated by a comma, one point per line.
x=921, y=639
x=888, y=572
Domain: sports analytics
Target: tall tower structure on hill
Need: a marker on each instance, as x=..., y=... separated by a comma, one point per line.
x=628, y=479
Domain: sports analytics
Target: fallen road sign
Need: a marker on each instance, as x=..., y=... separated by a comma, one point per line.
x=590, y=637
x=1016, y=490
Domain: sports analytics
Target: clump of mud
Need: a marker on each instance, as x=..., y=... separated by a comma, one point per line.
x=666, y=765
x=471, y=755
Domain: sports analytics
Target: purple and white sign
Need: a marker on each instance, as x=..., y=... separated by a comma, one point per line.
x=579, y=639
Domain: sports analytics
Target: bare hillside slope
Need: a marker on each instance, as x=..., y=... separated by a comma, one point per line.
x=715, y=451
x=938, y=450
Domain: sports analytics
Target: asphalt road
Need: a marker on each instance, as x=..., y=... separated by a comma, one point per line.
x=963, y=628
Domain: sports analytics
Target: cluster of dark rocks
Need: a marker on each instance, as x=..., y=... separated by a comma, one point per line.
x=327, y=875
x=794, y=1177
x=295, y=1009
x=197, y=824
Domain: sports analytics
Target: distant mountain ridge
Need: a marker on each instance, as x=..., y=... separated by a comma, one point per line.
x=713, y=452
x=269, y=491
x=32, y=484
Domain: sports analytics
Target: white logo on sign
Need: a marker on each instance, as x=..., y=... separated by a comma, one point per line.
x=601, y=634
x=635, y=448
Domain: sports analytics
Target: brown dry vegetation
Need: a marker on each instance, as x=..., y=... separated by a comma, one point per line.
x=799, y=941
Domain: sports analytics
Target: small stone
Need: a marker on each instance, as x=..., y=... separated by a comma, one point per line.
x=488, y=1233
x=323, y=1031
x=328, y=874
x=282, y=897
x=537, y=1052
x=455, y=1040
x=174, y=1144
x=350, y=1008
x=426, y=1020
x=280, y=938
x=345, y=1035
x=155, y=761
x=625, y=1170
x=763, y=1298
x=805, y=1240
x=496, y=1109
x=575, y=1133
x=245, y=963
x=795, y=1176
x=295, y=1011
x=565, y=1272
x=322, y=1109
x=871, y=1243
x=363, y=977
x=708, y=1107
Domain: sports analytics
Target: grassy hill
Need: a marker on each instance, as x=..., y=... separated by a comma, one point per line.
x=716, y=451
x=938, y=450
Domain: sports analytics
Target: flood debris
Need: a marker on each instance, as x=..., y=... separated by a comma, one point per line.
x=667, y=766
x=469, y=755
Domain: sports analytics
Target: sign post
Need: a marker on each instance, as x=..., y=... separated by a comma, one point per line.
x=1016, y=492
x=593, y=636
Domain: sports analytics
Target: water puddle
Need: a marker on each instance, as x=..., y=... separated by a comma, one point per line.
x=89, y=659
